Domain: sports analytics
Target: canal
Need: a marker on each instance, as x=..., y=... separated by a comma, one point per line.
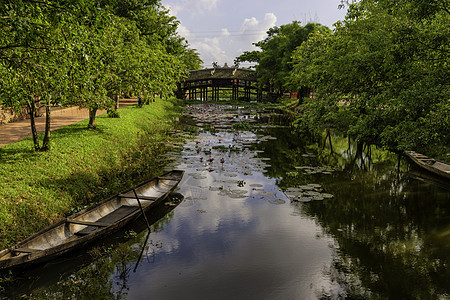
x=267, y=215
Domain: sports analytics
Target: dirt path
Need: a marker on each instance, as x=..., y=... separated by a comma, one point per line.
x=17, y=131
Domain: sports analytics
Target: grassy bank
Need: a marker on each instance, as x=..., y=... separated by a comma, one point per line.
x=82, y=167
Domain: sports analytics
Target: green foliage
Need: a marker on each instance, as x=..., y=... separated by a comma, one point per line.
x=86, y=53
x=113, y=114
x=241, y=126
x=83, y=167
x=386, y=68
x=274, y=59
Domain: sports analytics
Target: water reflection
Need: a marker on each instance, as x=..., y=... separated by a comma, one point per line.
x=236, y=235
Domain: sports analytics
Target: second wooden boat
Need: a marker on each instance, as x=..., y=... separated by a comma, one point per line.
x=430, y=164
x=90, y=224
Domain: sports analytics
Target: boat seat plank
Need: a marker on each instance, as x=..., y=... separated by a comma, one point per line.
x=110, y=218
x=140, y=197
x=26, y=250
x=97, y=224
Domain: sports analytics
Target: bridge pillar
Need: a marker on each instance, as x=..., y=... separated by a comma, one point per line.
x=235, y=91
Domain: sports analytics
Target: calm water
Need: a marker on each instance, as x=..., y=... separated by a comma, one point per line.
x=248, y=229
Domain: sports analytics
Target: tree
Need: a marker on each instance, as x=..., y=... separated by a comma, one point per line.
x=32, y=50
x=388, y=66
x=274, y=59
x=86, y=54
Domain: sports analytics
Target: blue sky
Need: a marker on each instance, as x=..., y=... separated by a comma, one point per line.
x=221, y=30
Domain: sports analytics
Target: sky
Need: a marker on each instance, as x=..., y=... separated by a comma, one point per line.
x=222, y=30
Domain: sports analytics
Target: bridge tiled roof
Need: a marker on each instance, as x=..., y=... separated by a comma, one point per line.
x=222, y=73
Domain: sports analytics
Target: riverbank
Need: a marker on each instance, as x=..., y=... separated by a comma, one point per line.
x=83, y=166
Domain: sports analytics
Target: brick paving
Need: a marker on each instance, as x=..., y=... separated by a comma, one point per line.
x=17, y=131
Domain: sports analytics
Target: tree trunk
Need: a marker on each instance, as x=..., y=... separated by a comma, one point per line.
x=359, y=154
x=116, y=97
x=329, y=140
x=32, y=108
x=46, y=141
x=328, y=136
x=92, y=112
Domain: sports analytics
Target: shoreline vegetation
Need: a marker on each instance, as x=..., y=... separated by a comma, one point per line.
x=83, y=166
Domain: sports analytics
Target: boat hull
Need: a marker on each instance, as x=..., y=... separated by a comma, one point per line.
x=437, y=167
x=90, y=224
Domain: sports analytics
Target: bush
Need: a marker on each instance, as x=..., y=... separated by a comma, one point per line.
x=113, y=114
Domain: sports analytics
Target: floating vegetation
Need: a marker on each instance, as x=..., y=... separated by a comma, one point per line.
x=237, y=196
x=242, y=126
x=307, y=193
x=256, y=185
x=223, y=193
x=267, y=138
x=221, y=148
x=277, y=201
x=316, y=170
x=215, y=188
x=239, y=192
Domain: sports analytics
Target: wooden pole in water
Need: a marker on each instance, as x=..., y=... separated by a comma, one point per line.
x=142, y=252
x=142, y=210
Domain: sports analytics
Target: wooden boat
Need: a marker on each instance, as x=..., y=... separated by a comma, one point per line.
x=430, y=164
x=90, y=224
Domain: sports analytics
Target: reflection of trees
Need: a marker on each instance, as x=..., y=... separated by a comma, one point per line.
x=286, y=152
x=392, y=233
x=384, y=226
x=106, y=277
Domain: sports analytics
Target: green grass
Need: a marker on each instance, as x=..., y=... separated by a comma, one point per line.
x=83, y=166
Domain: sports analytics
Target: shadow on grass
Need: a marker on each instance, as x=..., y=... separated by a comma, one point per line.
x=86, y=187
x=16, y=152
x=24, y=149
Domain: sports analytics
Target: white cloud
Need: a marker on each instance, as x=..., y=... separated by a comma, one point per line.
x=253, y=30
x=194, y=7
x=224, y=45
x=225, y=32
x=211, y=51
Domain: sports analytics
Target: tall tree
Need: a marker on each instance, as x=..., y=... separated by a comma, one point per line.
x=87, y=53
x=274, y=58
x=390, y=67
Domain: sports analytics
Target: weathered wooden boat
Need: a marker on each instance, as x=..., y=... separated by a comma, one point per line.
x=90, y=224
x=430, y=164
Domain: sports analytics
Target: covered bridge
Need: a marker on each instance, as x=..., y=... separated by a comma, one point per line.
x=214, y=83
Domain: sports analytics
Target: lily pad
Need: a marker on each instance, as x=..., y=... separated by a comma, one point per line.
x=239, y=192
x=306, y=187
x=276, y=201
x=237, y=196
x=256, y=185
x=215, y=188
x=315, y=185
